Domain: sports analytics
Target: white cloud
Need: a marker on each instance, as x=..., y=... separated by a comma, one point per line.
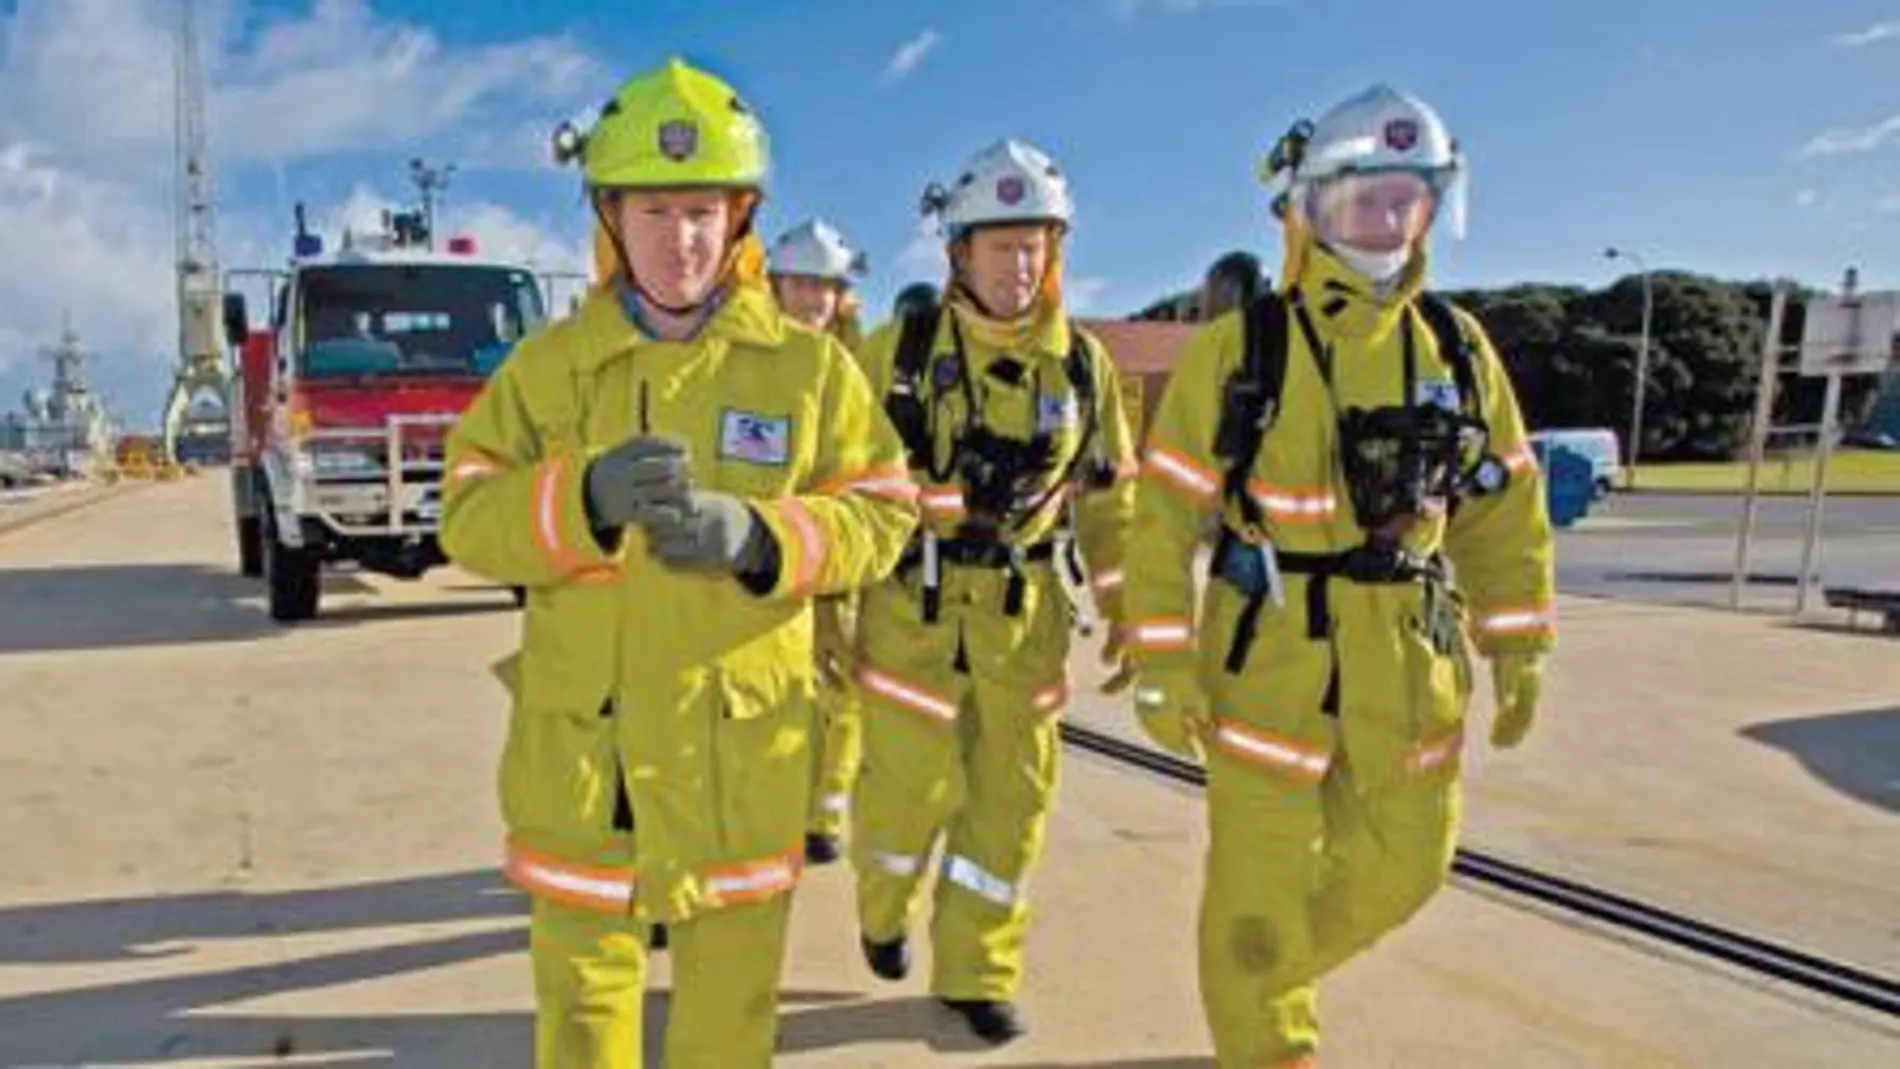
x=1855, y=139
x=1872, y=34
x=1081, y=293
x=1806, y=198
x=1129, y=9
x=86, y=166
x=1888, y=204
x=911, y=54
x=923, y=255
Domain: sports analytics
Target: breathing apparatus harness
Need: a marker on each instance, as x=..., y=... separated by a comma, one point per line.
x=1397, y=460
x=999, y=474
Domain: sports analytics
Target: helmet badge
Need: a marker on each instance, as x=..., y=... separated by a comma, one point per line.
x=1401, y=135
x=678, y=139
x=1009, y=190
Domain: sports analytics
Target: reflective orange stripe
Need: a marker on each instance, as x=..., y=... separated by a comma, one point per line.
x=550, y=490
x=1522, y=458
x=1180, y=472
x=812, y=547
x=892, y=481
x=476, y=465
x=605, y=890
x=1050, y=698
x=752, y=881
x=1434, y=752
x=1109, y=580
x=1527, y=620
x=1264, y=748
x=908, y=695
x=942, y=500
x=1293, y=506
x=1161, y=633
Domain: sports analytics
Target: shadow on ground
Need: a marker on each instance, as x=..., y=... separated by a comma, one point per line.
x=115, y=606
x=118, y=606
x=1856, y=753
x=191, y=1015
x=166, y=1017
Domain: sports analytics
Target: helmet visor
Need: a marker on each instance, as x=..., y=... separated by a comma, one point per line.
x=1378, y=211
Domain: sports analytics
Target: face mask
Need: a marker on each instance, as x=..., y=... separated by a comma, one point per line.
x=1380, y=267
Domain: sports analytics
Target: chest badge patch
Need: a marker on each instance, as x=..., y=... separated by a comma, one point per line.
x=1056, y=411
x=1442, y=393
x=754, y=438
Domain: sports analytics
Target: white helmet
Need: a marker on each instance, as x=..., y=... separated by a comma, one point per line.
x=1009, y=182
x=815, y=248
x=1381, y=129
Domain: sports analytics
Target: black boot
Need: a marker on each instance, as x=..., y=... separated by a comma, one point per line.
x=656, y=938
x=821, y=849
x=992, y=1021
x=891, y=960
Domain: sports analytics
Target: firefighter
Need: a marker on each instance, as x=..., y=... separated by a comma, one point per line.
x=1354, y=434
x=674, y=472
x=811, y=267
x=1013, y=419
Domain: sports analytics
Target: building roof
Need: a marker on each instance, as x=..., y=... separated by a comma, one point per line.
x=1140, y=347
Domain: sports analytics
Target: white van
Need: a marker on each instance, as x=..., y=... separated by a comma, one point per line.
x=1600, y=445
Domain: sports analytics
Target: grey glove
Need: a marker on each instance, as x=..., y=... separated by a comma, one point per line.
x=713, y=532
x=634, y=478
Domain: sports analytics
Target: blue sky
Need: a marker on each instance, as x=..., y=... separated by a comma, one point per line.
x=1742, y=138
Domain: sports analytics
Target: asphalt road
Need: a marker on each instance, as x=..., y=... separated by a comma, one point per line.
x=1680, y=548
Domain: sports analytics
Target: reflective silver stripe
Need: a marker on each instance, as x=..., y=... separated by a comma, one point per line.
x=1110, y=580
x=771, y=876
x=836, y=803
x=1181, y=471
x=969, y=875
x=899, y=864
x=904, y=694
x=1160, y=631
x=534, y=875
x=1273, y=750
x=1511, y=623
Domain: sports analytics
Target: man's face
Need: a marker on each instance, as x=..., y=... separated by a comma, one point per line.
x=675, y=241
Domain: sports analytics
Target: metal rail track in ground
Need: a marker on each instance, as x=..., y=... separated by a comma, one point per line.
x=1834, y=979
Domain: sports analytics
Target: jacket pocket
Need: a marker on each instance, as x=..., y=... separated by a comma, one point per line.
x=559, y=774
x=763, y=738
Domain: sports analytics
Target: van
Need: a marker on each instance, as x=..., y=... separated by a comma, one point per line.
x=1601, y=445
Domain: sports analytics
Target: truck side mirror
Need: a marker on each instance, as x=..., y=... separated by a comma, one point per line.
x=237, y=321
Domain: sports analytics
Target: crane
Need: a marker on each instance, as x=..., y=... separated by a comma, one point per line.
x=197, y=412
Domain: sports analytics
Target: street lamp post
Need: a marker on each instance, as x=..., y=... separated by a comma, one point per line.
x=1642, y=359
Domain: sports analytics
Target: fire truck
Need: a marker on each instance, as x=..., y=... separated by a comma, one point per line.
x=345, y=393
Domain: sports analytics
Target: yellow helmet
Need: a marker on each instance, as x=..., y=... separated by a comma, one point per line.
x=674, y=127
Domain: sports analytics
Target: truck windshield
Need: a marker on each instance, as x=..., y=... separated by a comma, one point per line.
x=412, y=319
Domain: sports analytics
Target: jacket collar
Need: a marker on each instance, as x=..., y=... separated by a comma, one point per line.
x=746, y=315
x=1045, y=330
x=1345, y=303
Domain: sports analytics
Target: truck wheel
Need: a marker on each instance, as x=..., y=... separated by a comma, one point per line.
x=292, y=576
x=250, y=540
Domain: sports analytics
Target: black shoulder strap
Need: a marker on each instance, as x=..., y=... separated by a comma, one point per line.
x=915, y=340
x=905, y=402
x=1455, y=347
x=1251, y=400
x=1080, y=367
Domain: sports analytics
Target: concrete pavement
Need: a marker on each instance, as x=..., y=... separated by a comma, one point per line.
x=232, y=843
